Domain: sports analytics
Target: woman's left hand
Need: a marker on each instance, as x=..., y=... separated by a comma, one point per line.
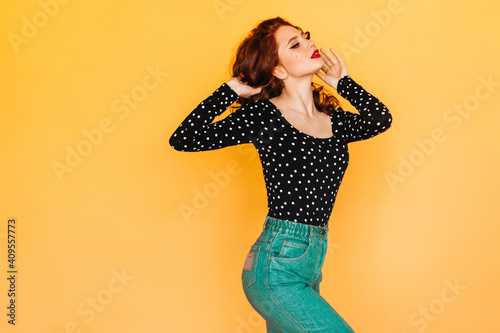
x=334, y=68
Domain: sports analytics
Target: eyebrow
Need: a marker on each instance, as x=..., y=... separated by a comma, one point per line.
x=294, y=37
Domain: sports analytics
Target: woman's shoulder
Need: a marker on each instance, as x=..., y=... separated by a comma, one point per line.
x=256, y=114
x=260, y=107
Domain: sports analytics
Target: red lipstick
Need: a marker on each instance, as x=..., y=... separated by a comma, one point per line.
x=315, y=54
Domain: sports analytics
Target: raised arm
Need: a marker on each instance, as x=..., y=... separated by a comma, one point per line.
x=198, y=133
x=373, y=118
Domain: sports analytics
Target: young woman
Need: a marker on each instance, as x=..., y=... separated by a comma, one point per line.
x=301, y=135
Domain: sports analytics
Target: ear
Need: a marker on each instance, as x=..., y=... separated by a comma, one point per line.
x=280, y=72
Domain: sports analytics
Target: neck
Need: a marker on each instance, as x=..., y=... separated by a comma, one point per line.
x=297, y=96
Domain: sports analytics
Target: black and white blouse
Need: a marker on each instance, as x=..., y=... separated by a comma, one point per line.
x=302, y=172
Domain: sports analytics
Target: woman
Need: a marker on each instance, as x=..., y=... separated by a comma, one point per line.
x=301, y=135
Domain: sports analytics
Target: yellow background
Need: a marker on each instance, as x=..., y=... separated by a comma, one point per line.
x=416, y=213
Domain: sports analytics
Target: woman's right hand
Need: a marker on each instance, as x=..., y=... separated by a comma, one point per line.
x=243, y=90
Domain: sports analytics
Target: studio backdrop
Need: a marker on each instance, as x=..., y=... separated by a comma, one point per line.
x=105, y=228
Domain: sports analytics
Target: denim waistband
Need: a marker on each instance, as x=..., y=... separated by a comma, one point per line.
x=272, y=223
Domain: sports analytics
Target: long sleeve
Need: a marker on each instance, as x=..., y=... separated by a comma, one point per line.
x=374, y=117
x=198, y=133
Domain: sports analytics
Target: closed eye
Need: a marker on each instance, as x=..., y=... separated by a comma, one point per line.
x=305, y=35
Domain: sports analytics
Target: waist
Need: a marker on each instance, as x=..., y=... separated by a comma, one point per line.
x=272, y=223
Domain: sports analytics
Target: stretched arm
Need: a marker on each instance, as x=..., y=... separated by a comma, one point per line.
x=198, y=133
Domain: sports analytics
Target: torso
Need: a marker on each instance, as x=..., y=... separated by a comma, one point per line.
x=302, y=166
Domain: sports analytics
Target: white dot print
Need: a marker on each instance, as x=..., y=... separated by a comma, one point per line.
x=307, y=196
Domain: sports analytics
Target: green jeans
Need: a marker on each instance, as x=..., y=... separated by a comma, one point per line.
x=281, y=277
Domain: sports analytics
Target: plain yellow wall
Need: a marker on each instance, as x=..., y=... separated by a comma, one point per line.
x=117, y=232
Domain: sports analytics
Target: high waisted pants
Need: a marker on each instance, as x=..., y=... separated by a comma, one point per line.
x=281, y=277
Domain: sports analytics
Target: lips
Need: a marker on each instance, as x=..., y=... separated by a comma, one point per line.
x=315, y=54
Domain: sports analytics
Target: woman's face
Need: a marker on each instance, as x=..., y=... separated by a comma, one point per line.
x=297, y=54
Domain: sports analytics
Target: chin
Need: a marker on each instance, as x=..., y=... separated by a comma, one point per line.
x=313, y=69
x=319, y=63
x=308, y=69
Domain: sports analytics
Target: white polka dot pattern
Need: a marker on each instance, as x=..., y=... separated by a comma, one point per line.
x=302, y=173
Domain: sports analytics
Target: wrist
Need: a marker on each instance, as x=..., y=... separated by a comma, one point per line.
x=234, y=85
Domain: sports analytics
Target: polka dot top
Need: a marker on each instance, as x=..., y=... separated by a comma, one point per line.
x=302, y=173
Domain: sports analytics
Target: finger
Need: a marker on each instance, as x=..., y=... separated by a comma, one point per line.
x=340, y=60
x=321, y=75
x=327, y=58
x=332, y=57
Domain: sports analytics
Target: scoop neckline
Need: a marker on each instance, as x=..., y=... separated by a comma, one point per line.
x=296, y=129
